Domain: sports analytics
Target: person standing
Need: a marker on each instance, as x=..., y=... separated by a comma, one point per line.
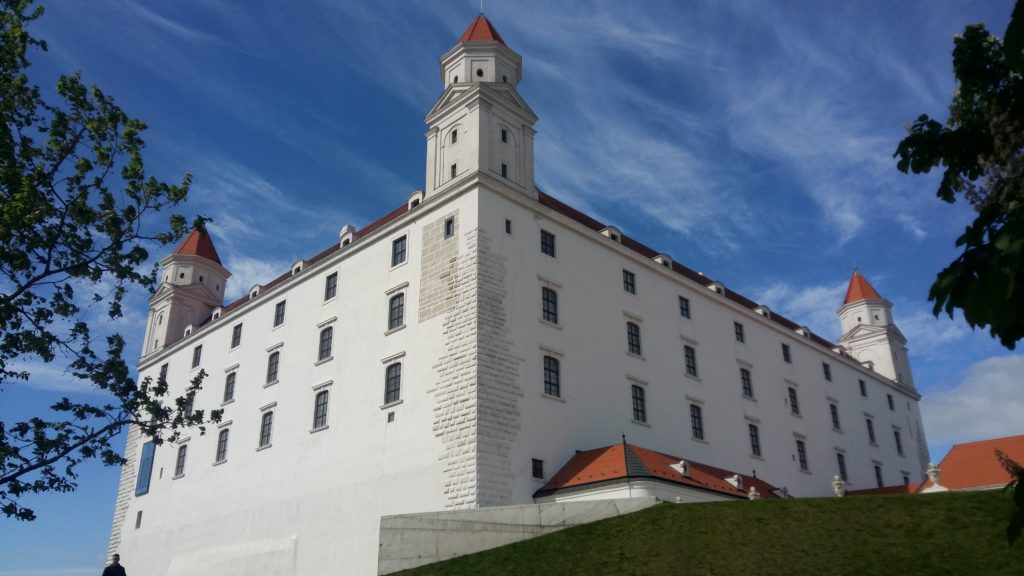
x=115, y=568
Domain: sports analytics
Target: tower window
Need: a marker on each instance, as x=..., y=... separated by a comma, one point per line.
x=891, y=405
x=449, y=227
x=504, y=135
x=453, y=170
x=145, y=469
x=504, y=79
x=863, y=389
x=455, y=136
x=197, y=355
x=508, y=226
x=538, y=469
x=479, y=72
x=455, y=80
x=504, y=170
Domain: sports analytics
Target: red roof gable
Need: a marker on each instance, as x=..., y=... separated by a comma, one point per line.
x=481, y=30
x=198, y=243
x=621, y=461
x=974, y=464
x=860, y=289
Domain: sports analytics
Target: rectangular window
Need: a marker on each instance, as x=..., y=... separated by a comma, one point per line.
x=863, y=389
x=696, y=422
x=279, y=313
x=273, y=361
x=508, y=226
x=691, y=360
x=549, y=304
x=179, y=463
x=755, y=440
x=891, y=405
x=906, y=479
x=504, y=135
x=639, y=404
x=504, y=170
x=396, y=311
x=841, y=461
x=454, y=171
x=163, y=374
x=547, y=243
x=393, y=383
x=266, y=427
x=801, y=454
x=827, y=371
x=189, y=404
x=633, y=338
x=794, y=402
x=629, y=281
x=398, y=251
x=229, y=387
x=222, y=446
x=537, y=465
x=455, y=136
x=552, y=377
x=878, y=476
x=684, y=307
x=326, y=343
x=320, y=409
x=145, y=468
x=236, y=335
x=899, y=442
x=871, y=431
x=449, y=227
x=785, y=354
x=738, y=328
x=197, y=355
x=748, y=386
x=331, y=285
x=138, y=519
x=835, y=416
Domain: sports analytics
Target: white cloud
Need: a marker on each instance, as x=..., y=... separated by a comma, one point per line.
x=812, y=306
x=246, y=272
x=987, y=403
x=928, y=335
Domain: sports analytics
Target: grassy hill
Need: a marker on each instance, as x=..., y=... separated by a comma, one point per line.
x=960, y=533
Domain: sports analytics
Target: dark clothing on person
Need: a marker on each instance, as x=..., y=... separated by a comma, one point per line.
x=114, y=570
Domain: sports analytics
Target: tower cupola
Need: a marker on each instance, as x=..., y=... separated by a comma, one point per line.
x=869, y=333
x=193, y=282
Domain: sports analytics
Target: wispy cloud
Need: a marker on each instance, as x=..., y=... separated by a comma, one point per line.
x=987, y=403
x=812, y=306
x=246, y=272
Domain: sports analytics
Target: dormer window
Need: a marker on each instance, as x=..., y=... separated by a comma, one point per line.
x=254, y=291
x=414, y=199
x=613, y=233
x=717, y=287
x=664, y=259
x=347, y=234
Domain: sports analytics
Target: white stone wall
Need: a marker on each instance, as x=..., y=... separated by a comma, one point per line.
x=597, y=372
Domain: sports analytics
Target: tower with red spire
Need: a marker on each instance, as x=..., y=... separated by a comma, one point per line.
x=869, y=333
x=480, y=129
x=192, y=286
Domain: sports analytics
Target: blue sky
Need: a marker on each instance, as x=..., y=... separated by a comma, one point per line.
x=752, y=141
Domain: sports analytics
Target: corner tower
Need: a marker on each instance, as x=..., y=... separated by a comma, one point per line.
x=192, y=285
x=869, y=334
x=480, y=127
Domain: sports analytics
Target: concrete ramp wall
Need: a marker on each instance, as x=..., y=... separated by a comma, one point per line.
x=411, y=540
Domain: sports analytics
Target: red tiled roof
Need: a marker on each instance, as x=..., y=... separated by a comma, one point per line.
x=974, y=464
x=198, y=243
x=481, y=30
x=860, y=289
x=621, y=461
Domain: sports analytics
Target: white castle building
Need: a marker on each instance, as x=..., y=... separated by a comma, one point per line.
x=459, y=351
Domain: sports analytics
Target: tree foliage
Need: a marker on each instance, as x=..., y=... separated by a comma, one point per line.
x=1016, y=485
x=75, y=208
x=981, y=148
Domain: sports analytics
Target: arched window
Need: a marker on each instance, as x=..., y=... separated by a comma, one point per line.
x=396, y=311
x=326, y=341
x=393, y=383
x=266, y=427
x=320, y=409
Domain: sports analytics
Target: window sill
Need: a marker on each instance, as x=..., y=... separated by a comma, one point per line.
x=635, y=355
x=260, y=448
x=552, y=397
x=391, y=331
x=329, y=300
x=641, y=423
x=269, y=384
x=751, y=398
x=178, y=476
x=796, y=415
x=324, y=361
x=277, y=326
x=808, y=472
x=837, y=430
x=756, y=457
x=315, y=430
x=226, y=402
x=400, y=264
x=233, y=348
x=695, y=378
x=701, y=440
x=219, y=462
x=391, y=404
x=554, y=325
x=875, y=444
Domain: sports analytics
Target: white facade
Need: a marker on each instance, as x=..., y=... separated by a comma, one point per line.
x=472, y=413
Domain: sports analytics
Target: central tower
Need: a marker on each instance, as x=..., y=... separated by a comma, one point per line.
x=480, y=127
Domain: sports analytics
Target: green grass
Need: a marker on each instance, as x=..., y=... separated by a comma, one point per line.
x=961, y=533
